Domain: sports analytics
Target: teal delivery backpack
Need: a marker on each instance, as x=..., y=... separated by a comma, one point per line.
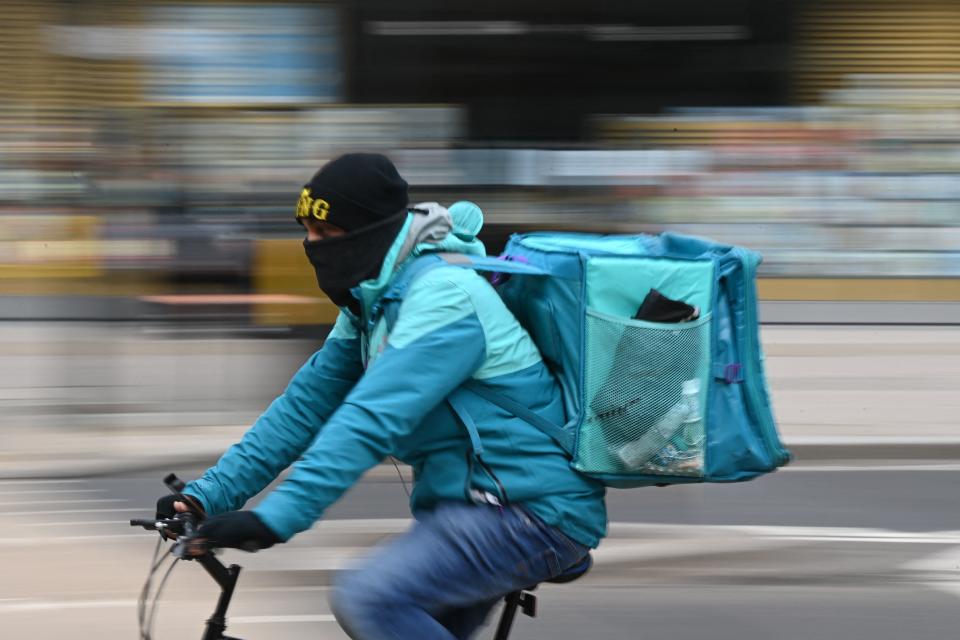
x=647, y=402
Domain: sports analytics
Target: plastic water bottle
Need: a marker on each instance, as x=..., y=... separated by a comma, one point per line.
x=692, y=429
x=639, y=452
x=684, y=453
x=674, y=439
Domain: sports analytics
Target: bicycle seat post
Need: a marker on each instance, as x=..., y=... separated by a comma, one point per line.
x=523, y=599
x=528, y=602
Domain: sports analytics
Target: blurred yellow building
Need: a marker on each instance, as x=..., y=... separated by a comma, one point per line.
x=156, y=148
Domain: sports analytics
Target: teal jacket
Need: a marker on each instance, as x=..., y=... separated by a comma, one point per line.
x=369, y=393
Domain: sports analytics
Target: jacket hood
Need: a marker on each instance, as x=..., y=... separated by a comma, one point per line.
x=429, y=228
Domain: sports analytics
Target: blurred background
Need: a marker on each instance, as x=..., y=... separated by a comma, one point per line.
x=151, y=154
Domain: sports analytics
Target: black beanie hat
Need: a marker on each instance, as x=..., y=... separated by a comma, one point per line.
x=354, y=191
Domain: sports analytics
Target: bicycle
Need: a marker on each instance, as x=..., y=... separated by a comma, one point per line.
x=187, y=547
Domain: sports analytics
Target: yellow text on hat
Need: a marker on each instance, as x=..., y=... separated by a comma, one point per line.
x=308, y=206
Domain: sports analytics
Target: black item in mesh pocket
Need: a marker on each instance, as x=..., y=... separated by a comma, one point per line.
x=657, y=307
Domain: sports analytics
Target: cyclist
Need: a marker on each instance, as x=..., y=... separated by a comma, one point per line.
x=517, y=517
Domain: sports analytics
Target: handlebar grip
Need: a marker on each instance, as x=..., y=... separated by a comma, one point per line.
x=150, y=525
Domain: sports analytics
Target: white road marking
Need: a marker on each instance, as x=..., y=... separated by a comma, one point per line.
x=867, y=467
x=78, y=522
x=942, y=563
x=321, y=617
x=642, y=530
x=898, y=540
x=21, y=492
x=59, y=511
x=851, y=534
x=44, y=540
x=18, y=606
x=22, y=605
x=367, y=525
x=939, y=571
x=4, y=483
x=61, y=501
x=827, y=441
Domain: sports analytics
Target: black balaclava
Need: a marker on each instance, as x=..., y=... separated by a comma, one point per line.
x=363, y=194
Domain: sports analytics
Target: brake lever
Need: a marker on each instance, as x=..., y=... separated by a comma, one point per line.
x=186, y=548
x=187, y=545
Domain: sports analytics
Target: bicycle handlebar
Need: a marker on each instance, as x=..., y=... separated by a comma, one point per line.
x=185, y=526
x=182, y=526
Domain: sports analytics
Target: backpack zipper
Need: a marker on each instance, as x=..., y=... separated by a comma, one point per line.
x=771, y=440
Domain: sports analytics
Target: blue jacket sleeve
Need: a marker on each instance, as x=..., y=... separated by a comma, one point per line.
x=436, y=344
x=286, y=428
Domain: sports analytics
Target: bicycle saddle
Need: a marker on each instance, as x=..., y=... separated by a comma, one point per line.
x=527, y=602
x=575, y=571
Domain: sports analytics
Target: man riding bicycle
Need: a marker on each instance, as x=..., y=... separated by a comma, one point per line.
x=484, y=526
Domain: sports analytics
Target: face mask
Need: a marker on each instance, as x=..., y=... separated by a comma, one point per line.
x=343, y=262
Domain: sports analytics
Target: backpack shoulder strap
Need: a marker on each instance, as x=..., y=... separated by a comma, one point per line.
x=390, y=305
x=523, y=412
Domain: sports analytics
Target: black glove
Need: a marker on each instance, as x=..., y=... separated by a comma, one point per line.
x=238, y=530
x=165, y=506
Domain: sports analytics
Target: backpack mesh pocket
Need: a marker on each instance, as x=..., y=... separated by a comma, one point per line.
x=645, y=386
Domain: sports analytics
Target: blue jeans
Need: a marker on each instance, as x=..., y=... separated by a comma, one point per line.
x=441, y=578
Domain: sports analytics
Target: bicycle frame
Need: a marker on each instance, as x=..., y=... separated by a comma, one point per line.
x=226, y=577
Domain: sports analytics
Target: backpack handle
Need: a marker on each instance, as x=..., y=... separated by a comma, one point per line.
x=430, y=261
x=504, y=264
